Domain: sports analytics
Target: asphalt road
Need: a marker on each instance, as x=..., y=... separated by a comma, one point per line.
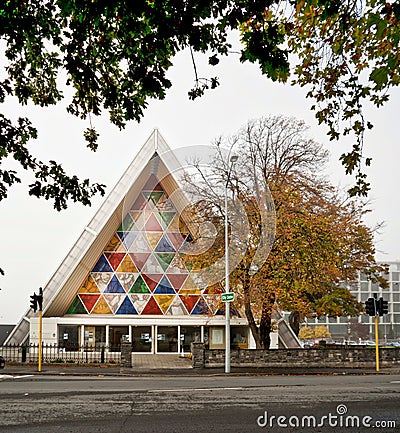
x=55, y=404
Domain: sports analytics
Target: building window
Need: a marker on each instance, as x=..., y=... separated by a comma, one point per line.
x=116, y=336
x=68, y=337
x=141, y=338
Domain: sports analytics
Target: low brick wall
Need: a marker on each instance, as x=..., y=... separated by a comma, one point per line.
x=336, y=357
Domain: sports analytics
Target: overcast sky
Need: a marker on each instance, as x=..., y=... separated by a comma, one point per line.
x=35, y=238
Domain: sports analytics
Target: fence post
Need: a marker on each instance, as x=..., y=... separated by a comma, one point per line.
x=23, y=359
x=102, y=354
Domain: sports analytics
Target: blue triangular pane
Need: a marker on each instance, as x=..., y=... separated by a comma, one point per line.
x=126, y=307
x=165, y=282
x=201, y=308
x=102, y=265
x=164, y=246
x=163, y=289
x=114, y=286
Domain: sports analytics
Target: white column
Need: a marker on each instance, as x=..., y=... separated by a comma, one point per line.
x=107, y=337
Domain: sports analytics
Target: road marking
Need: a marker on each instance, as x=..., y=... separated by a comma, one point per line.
x=395, y=381
x=9, y=376
x=195, y=389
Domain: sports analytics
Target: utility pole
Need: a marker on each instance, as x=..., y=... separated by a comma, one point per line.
x=37, y=303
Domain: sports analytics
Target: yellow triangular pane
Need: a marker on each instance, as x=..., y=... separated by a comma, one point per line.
x=101, y=307
x=89, y=286
x=153, y=238
x=189, y=288
x=127, y=265
x=175, y=224
x=115, y=245
x=164, y=301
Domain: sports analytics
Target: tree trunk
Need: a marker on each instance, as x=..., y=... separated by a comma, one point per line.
x=294, y=321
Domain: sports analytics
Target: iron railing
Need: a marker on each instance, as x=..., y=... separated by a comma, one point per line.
x=53, y=353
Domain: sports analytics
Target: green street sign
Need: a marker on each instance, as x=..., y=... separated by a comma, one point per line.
x=228, y=297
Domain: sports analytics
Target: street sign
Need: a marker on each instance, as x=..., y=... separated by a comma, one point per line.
x=228, y=297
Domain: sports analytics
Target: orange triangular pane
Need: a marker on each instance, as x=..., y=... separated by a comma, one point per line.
x=153, y=238
x=89, y=286
x=164, y=301
x=115, y=245
x=189, y=288
x=127, y=265
x=101, y=307
x=177, y=280
x=189, y=301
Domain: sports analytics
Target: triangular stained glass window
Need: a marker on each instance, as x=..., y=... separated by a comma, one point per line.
x=127, y=265
x=139, y=301
x=139, y=286
x=140, y=203
x=127, y=224
x=164, y=301
x=101, y=307
x=189, y=288
x=89, y=286
x=166, y=217
x=189, y=301
x=126, y=307
x=128, y=238
x=139, y=245
x=153, y=196
x=214, y=302
x=164, y=287
x=165, y=204
x=152, y=308
x=164, y=259
x=176, y=239
x=102, y=279
x=177, y=308
x=165, y=246
x=177, y=266
x=152, y=280
x=139, y=259
x=153, y=238
x=76, y=307
x=201, y=308
x=102, y=265
x=115, y=245
x=152, y=225
x=114, y=286
x=126, y=279
x=177, y=280
x=114, y=259
x=152, y=184
x=89, y=300
x=114, y=301
x=152, y=266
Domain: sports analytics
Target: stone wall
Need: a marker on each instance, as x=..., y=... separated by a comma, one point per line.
x=336, y=357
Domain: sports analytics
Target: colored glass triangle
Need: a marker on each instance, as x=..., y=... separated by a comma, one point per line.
x=153, y=238
x=114, y=301
x=89, y=286
x=102, y=265
x=167, y=217
x=177, y=280
x=126, y=279
x=201, y=308
x=128, y=238
x=139, y=244
x=165, y=246
x=174, y=226
x=114, y=259
x=189, y=288
x=164, y=204
x=177, y=308
x=139, y=301
x=152, y=184
x=127, y=224
x=152, y=308
x=89, y=300
x=102, y=279
x=153, y=196
x=152, y=225
x=76, y=307
x=139, y=286
x=101, y=307
x=189, y=301
x=139, y=259
x=152, y=280
x=140, y=203
x=176, y=239
x=115, y=244
x=214, y=302
x=214, y=289
x=127, y=265
x=164, y=259
x=177, y=266
x=114, y=286
x=164, y=287
x=126, y=307
x=152, y=266
x=164, y=301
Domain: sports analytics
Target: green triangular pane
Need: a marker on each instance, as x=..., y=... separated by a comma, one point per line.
x=167, y=217
x=139, y=286
x=76, y=307
x=127, y=224
x=165, y=259
x=153, y=196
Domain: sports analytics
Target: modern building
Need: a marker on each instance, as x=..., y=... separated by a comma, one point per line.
x=126, y=277
x=389, y=324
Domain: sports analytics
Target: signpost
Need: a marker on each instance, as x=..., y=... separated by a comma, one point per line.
x=228, y=297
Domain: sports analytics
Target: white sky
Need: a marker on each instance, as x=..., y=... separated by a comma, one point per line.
x=35, y=238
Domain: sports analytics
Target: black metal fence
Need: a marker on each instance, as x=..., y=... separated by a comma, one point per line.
x=52, y=353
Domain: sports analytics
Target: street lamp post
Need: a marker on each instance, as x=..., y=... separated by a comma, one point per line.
x=232, y=160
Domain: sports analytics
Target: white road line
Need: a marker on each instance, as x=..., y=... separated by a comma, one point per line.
x=194, y=389
x=9, y=376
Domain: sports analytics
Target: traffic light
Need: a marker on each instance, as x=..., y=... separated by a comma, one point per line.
x=37, y=301
x=370, y=307
x=34, y=303
x=382, y=306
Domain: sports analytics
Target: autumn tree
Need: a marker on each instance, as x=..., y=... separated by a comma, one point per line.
x=114, y=55
x=320, y=241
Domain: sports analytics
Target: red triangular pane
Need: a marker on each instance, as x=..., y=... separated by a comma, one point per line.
x=115, y=259
x=139, y=259
x=89, y=300
x=140, y=203
x=177, y=280
x=152, y=280
x=176, y=240
x=152, y=307
x=152, y=225
x=189, y=301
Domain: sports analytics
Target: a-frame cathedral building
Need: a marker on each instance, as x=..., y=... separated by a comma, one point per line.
x=126, y=277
